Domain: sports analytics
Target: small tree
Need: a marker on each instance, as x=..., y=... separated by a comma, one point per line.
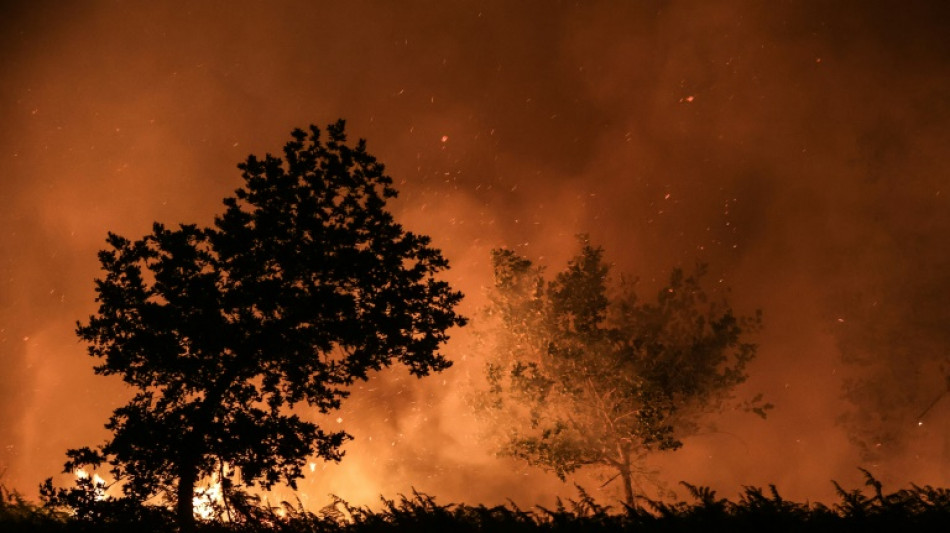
x=304, y=285
x=580, y=377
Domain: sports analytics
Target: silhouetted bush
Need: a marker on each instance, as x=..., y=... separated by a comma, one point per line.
x=915, y=509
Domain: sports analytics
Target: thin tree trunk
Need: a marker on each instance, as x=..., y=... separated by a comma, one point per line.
x=225, y=490
x=627, y=477
x=185, y=510
x=628, y=489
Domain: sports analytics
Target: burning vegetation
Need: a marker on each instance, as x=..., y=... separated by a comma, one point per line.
x=797, y=148
x=306, y=285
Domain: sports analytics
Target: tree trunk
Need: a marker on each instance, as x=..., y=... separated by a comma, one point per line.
x=184, y=509
x=628, y=488
x=627, y=477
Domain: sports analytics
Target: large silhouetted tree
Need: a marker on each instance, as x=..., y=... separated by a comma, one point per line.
x=303, y=285
x=580, y=375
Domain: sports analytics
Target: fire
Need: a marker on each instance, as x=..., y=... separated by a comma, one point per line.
x=207, y=501
x=98, y=483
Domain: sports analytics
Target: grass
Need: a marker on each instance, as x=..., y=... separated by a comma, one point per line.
x=868, y=509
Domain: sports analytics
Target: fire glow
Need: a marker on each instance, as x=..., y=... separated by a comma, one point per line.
x=521, y=128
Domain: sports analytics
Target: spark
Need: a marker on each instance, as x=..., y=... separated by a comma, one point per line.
x=920, y=417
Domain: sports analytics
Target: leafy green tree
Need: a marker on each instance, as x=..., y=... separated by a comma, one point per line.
x=580, y=375
x=304, y=285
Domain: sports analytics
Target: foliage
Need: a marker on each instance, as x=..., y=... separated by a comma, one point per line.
x=86, y=508
x=303, y=285
x=914, y=509
x=579, y=375
x=17, y=514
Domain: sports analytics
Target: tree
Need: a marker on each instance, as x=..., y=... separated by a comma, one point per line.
x=304, y=285
x=580, y=376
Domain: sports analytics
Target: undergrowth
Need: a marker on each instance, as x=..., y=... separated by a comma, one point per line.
x=756, y=509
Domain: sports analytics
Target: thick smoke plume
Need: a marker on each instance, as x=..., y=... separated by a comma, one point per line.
x=797, y=147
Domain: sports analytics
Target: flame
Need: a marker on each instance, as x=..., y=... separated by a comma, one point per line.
x=207, y=501
x=97, y=482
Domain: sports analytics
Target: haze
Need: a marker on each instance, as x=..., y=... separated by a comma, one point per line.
x=800, y=148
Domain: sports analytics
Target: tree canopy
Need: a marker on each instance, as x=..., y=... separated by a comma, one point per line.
x=303, y=285
x=582, y=375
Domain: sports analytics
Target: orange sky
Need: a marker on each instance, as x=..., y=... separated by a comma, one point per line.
x=798, y=147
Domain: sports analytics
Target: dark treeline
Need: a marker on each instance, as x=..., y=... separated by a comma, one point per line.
x=756, y=509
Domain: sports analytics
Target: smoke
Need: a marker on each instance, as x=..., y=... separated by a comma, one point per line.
x=797, y=147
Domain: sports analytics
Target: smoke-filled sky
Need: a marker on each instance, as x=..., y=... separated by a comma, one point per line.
x=799, y=148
